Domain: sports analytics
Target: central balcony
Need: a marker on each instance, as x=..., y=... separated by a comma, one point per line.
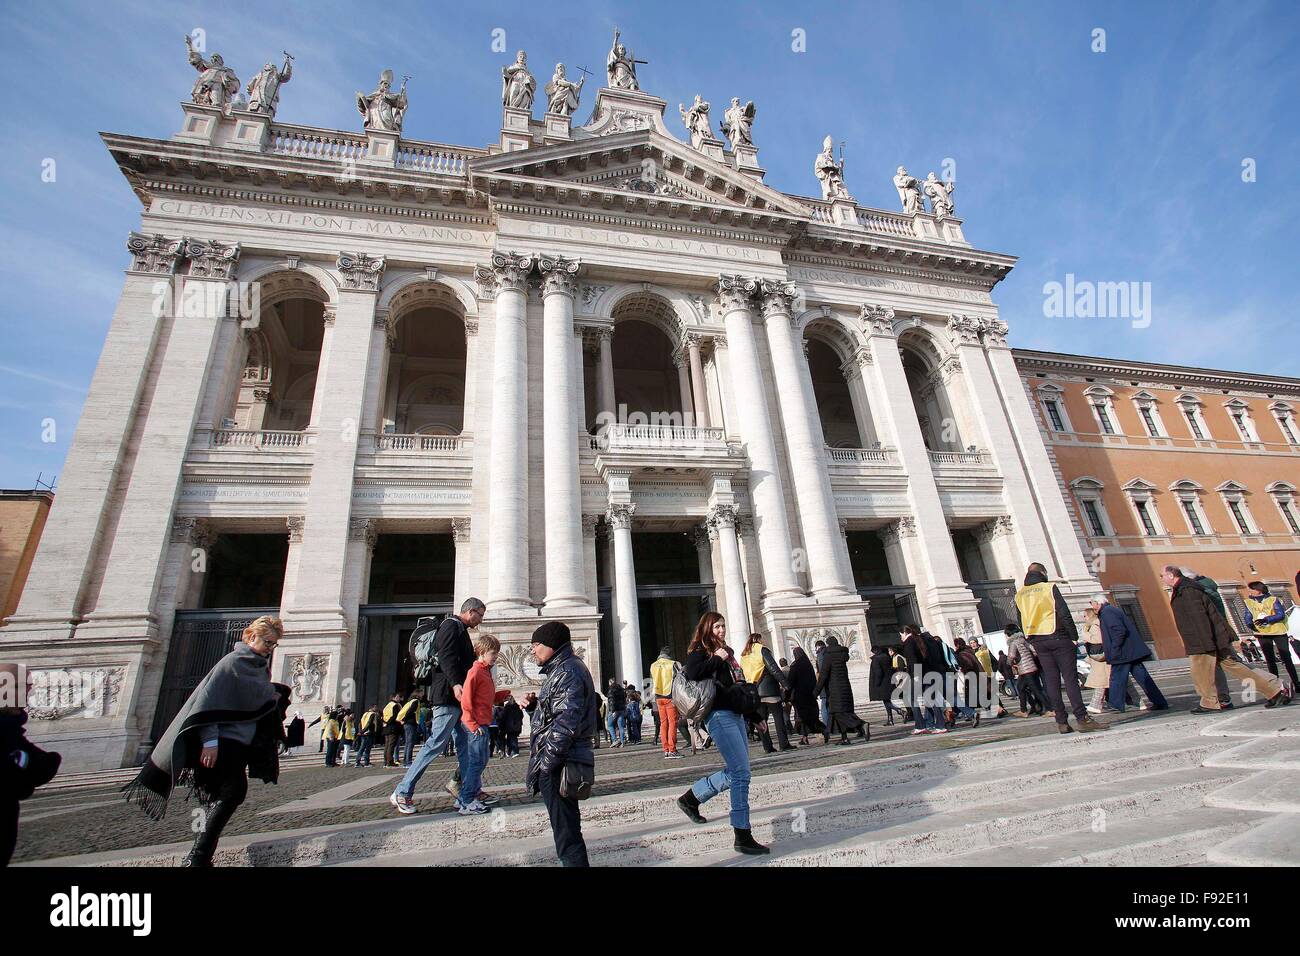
x=660, y=447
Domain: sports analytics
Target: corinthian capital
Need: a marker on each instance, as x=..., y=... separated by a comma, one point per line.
x=210, y=259
x=154, y=253
x=735, y=292
x=963, y=330
x=721, y=516
x=507, y=271
x=995, y=333
x=559, y=275
x=877, y=319
x=360, y=271
x=778, y=298
x=619, y=516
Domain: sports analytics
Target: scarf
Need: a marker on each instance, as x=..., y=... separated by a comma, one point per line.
x=237, y=690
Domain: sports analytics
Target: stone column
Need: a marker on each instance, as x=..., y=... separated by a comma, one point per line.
x=507, y=585
x=131, y=575
x=1039, y=473
x=382, y=344
x=316, y=623
x=55, y=591
x=589, y=557
x=703, y=542
x=469, y=406
x=684, y=385
x=698, y=384
x=722, y=527
x=565, y=584
x=946, y=592
x=363, y=535
x=619, y=517
x=605, y=376
x=853, y=371
x=460, y=530
x=755, y=426
x=828, y=559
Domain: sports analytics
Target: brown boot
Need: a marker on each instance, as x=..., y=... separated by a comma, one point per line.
x=1087, y=725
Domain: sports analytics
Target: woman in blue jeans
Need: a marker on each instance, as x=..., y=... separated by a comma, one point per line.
x=709, y=658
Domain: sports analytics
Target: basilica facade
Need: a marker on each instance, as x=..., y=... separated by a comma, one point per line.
x=594, y=371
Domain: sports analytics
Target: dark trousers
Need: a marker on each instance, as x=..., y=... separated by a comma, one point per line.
x=1119, y=675
x=390, y=748
x=1032, y=695
x=566, y=822
x=408, y=743
x=331, y=753
x=1056, y=656
x=227, y=783
x=1275, y=646
x=364, y=743
x=512, y=743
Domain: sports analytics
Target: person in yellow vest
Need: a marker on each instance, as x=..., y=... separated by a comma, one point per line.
x=1044, y=617
x=392, y=729
x=1266, y=619
x=349, y=734
x=333, y=734
x=408, y=716
x=662, y=672
x=760, y=669
x=366, y=734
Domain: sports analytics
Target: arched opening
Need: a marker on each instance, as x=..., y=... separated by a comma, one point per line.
x=424, y=392
x=940, y=429
x=844, y=416
x=282, y=358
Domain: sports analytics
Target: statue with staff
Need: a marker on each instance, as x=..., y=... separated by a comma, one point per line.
x=264, y=88
x=621, y=66
x=383, y=109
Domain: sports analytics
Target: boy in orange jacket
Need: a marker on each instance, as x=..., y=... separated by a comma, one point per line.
x=477, y=699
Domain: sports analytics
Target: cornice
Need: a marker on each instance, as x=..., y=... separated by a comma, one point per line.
x=883, y=267
x=598, y=217
x=1029, y=361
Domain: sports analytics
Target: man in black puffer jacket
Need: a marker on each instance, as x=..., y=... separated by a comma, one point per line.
x=564, y=715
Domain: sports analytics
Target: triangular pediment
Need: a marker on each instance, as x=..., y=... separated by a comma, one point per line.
x=637, y=163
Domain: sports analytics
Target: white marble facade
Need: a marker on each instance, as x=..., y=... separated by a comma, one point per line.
x=284, y=390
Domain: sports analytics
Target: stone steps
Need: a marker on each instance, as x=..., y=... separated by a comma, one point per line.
x=1276, y=842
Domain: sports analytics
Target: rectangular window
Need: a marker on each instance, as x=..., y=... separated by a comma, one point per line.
x=1106, y=427
x=1193, y=518
x=1290, y=518
x=1149, y=420
x=1240, y=419
x=1193, y=423
x=1284, y=421
x=1054, y=414
x=1094, y=519
x=1148, y=526
x=1237, y=516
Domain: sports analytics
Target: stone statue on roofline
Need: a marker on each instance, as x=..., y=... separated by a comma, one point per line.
x=738, y=123
x=940, y=194
x=264, y=87
x=383, y=109
x=909, y=191
x=830, y=173
x=621, y=67
x=217, y=83
x=697, y=120
x=518, y=88
x=562, y=93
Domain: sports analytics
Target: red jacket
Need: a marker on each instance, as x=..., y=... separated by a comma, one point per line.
x=478, y=696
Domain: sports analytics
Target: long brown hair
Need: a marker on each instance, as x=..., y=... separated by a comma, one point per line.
x=750, y=642
x=704, y=638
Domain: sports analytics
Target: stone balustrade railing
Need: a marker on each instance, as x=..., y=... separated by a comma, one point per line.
x=890, y=224
x=243, y=438
x=312, y=143
x=658, y=436
x=435, y=157
x=868, y=456
x=421, y=443
x=960, y=458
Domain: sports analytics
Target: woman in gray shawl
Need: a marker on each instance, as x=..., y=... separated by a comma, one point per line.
x=232, y=723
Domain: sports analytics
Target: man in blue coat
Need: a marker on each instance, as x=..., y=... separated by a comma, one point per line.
x=1125, y=651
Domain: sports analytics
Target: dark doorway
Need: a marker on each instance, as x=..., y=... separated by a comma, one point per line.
x=245, y=570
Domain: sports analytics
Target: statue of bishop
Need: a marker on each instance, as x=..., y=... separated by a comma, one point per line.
x=518, y=88
x=830, y=172
x=383, y=109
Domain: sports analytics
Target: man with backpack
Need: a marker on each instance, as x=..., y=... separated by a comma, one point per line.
x=442, y=660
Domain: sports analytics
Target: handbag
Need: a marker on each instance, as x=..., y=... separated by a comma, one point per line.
x=576, y=781
x=693, y=698
x=751, y=704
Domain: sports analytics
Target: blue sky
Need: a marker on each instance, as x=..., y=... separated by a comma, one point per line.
x=1117, y=166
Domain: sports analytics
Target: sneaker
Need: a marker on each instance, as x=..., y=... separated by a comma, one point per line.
x=976, y=721
x=487, y=799
x=1280, y=699
x=1096, y=709
x=939, y=730
x=472, y=809
x=918, y=731
x=403, y=804
x=453, y=788
x=675, y=756
x=1198, y=709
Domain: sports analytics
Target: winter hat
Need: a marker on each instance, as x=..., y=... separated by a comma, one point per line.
x=554, y=634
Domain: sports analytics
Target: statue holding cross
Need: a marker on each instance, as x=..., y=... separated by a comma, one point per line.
x=621, y=67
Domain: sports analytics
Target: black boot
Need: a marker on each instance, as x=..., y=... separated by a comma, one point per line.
x=690, y=805
x=864, y=732
x=745, y=843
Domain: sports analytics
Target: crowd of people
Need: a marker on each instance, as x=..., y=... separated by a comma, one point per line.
x=233, y=723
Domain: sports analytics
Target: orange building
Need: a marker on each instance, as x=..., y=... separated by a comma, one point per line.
x=22, y=518
x=1163, y=464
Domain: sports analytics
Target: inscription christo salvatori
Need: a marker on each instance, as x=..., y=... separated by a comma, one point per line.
x=286, y=218
x=632, y=240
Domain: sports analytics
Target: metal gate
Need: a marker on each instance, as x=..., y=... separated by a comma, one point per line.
x=199, y=639
x=997, y=603
x=889, y=607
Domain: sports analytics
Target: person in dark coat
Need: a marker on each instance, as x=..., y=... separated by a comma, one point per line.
x=839, y=692
x=1125, y=651
x=295, y=734
x=23, y=765
x=926, y=667
x=880, y=682
x=1207, y=638
x=512, y=725
x=801, y=681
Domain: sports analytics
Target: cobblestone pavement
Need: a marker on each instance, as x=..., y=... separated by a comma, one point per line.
x=92, y=816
